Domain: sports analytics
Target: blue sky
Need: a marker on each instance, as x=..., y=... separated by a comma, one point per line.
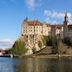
x=13, y=12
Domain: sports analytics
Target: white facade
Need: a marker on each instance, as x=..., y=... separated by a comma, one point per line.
x=38, y=28
x=35, y=29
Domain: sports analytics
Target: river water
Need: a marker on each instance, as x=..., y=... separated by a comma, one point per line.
x=35, y=65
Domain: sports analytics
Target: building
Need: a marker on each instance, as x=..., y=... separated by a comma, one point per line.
x=67, y=32
x=37, y=28
x=32, y=32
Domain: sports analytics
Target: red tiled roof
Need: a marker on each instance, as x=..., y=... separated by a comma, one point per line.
x=34, y=23
x=38, y=23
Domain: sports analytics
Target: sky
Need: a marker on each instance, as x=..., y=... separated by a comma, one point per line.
x=13, y=12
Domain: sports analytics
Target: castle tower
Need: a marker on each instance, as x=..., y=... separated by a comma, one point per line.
x=65, y=28
x=22, y=26
x=65, y=19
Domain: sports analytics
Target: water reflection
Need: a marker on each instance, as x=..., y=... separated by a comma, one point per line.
x=65, y=65
x=35, y=65
x=45, y=65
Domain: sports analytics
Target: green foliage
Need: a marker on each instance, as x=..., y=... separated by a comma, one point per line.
x=51, y=41
x=58, y=45
x=44, y=40
x=61, y=48
x=47, y=40
x=19, y=48
x=40, y=44
x=67, y=41
x=55, y=42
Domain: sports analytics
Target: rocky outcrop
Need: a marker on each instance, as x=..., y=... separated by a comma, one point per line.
x=31, y=43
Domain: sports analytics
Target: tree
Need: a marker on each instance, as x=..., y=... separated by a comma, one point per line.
x=47, y=40
x=40, y=44
x=61, y=48
x=67, y=41
x=19, y=48
x=55, y=43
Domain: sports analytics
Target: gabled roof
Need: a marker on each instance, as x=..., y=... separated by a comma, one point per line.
x=34, y=23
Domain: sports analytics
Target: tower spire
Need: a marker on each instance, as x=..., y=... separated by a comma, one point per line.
x=65, y=18
x=26, y=19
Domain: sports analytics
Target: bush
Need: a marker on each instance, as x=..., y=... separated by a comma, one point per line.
x=67, y=41
x=61, y=48
x=39, y=44
x=47, y=40
x=55, y=42
x=52, y=41
x=19, y=48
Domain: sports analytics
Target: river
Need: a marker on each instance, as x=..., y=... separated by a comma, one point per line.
x=35, y=65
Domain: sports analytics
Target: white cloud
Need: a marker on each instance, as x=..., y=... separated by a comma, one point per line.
x=70, y=21
x=54, y=15
x=32, y=4
x=6, y=43
x=54, y=22
x=47, y=20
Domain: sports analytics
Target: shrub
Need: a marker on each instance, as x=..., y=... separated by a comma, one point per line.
x=47, y=40
x=39, y=44
x=19, y=48
x=67, y=41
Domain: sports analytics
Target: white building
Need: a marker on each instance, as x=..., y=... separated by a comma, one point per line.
x=37, y=28
x=32, y=32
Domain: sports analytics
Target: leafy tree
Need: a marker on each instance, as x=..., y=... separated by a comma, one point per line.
x=39, y=44
x=55, y=42
x=61, y=48
x=47, y=40
x=44, y=40
x=67, y=41
x=19, y=48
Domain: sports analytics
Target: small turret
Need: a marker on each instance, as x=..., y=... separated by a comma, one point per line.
x=26, y=19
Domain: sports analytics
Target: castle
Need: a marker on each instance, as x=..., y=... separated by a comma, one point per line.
x=37, y=28
x=32, y=32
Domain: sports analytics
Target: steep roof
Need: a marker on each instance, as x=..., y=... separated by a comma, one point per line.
x=34, y=23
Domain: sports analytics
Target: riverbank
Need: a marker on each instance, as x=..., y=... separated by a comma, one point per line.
x=46, y=56
x=51, y=56
x=39, y=56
